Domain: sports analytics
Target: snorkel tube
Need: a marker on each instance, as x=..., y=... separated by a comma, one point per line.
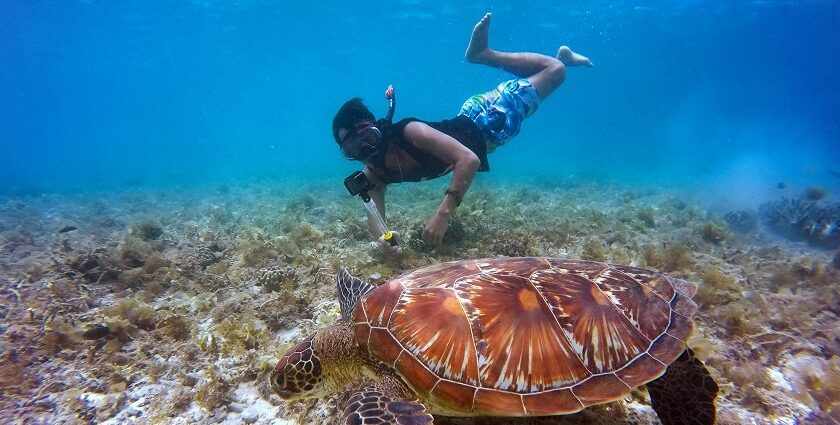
x=392, y=105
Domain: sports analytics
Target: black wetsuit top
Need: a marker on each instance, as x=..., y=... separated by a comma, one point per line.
x=460, y=128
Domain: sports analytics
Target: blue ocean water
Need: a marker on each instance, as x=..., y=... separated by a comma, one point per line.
x=718, y=97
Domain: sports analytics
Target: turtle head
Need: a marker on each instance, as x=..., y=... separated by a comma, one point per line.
x=298, y=374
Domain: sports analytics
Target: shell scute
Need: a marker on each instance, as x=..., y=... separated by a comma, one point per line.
x=422, y=379
x=493, y=402
x=524, y=350
x=602, y=336
x=455, y=395
x=517, y=266
x=587, y=269
x=599, y=389
x=666, y=349
x=431, y=324
x=556, y=402
x=377, y=306
x=641, y=370
x=645, y=310
x=383, y=345
x=681, y=327
x=439, y=275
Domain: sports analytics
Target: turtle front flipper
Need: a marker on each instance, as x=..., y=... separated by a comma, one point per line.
x=350, y=290
x=368, y=403
x=685, y=394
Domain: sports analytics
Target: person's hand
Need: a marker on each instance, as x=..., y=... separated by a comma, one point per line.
x=434, y=230
x=390, y=251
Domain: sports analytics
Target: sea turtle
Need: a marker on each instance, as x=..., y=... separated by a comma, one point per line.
x=504, y=337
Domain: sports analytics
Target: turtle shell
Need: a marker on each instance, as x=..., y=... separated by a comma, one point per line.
x=525, y=336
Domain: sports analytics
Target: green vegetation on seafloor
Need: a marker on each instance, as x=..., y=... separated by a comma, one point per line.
x=204, y=292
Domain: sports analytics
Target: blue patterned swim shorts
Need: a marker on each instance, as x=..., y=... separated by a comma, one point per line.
x=499, y=113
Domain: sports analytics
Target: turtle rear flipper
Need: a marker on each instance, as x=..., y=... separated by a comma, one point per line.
x=685, y=394
x=370, y=403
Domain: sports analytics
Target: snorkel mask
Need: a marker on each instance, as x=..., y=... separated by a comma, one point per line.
x=365, y=141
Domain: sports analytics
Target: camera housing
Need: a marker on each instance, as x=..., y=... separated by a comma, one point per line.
x=358, y=184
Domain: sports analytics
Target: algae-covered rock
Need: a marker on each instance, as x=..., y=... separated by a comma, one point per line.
x=713, y=233
x=594, y=250
x=134, y=251
x=135, y=312
x=147, y=230
x=213, y=391
x=742, y=221
x=673, y=257
x=513, y=243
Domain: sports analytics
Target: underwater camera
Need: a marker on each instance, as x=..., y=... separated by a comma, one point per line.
x=358, y=184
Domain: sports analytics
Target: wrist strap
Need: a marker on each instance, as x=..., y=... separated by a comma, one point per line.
x=454, y=193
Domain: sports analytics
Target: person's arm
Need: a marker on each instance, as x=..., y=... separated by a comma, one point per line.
x=465, y=164
x=377, y=195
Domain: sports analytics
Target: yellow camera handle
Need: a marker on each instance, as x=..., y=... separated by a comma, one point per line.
x=389, y=236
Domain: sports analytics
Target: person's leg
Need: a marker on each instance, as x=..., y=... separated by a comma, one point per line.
x=544, y=72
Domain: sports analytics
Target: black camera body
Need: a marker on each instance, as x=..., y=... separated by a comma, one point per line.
x=358, y=184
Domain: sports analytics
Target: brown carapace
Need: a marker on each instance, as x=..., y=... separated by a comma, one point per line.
x=522, y=337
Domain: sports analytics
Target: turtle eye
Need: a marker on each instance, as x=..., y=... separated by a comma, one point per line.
x=278, y=383
x=297, y=373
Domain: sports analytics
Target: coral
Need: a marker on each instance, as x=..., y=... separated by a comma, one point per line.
x=277, y=279
x=786, y=212
x=713, y=233
x=798, y=219
x=204, y=256
x=741, y=221
x=147, y=230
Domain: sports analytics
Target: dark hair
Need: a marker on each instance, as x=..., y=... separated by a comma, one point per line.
x=349, y=114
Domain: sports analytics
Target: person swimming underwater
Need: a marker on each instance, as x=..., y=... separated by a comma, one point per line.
x=413, y=150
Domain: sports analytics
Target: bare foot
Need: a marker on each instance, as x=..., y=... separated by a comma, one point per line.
x=479, y=44
x=570, y=58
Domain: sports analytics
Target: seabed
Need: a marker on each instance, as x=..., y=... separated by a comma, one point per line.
x=173, y=306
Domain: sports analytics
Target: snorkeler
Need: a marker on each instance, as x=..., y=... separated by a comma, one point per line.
x=415, y=150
